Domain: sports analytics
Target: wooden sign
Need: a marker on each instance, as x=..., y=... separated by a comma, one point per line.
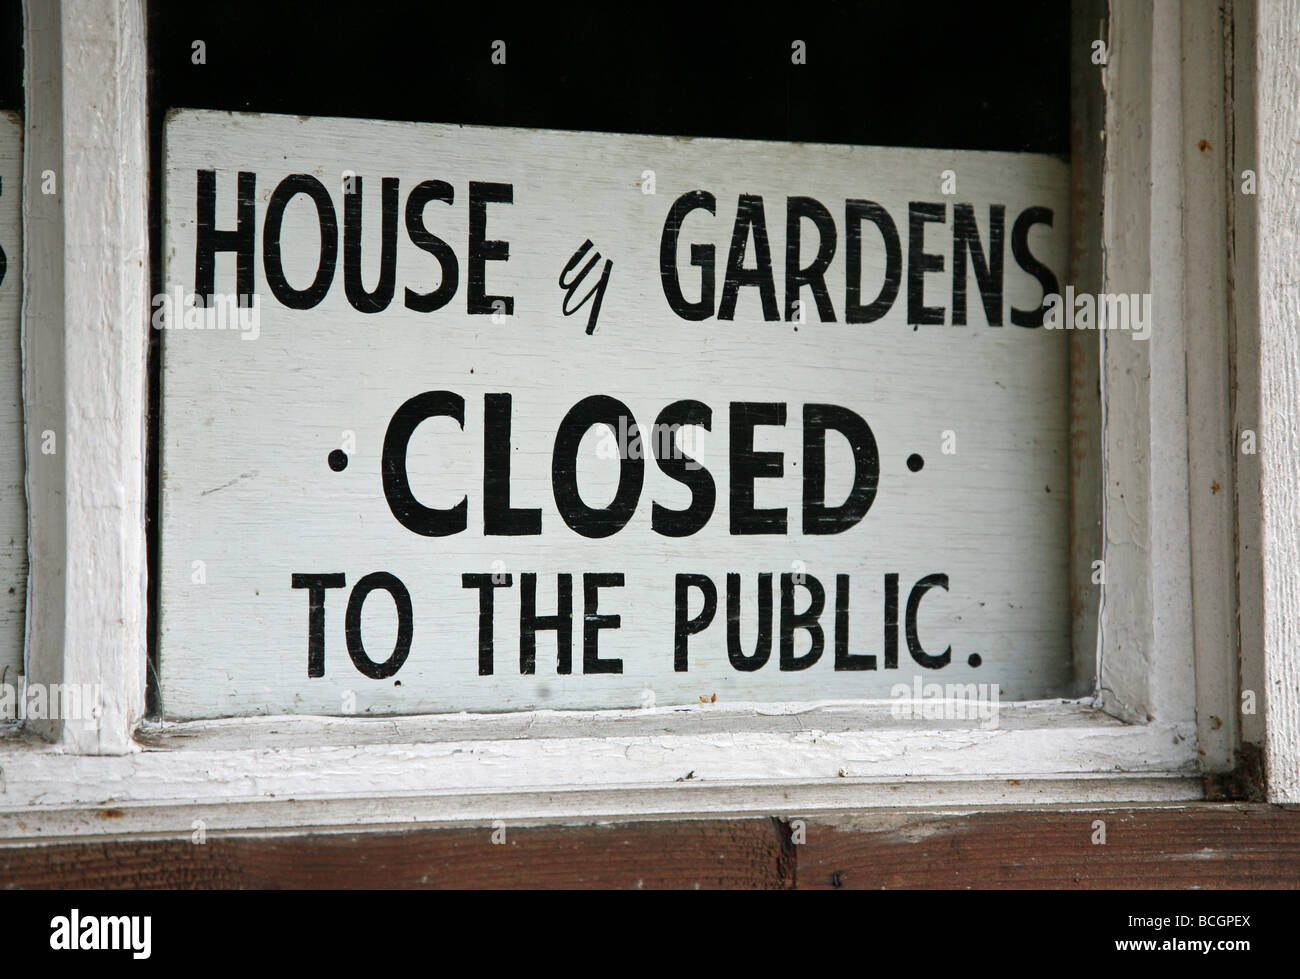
x=13, y=499
x=475, y=419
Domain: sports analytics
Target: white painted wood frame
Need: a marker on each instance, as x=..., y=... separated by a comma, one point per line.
x=86, y=278
x=1269, y=288
x=1166, y=634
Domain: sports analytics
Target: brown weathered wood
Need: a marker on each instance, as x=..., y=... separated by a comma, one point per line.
x=1234, y=846
x=1205, y=846
x=741, y=854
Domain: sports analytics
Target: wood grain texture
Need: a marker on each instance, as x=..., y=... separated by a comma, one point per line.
x=1087, y=155
x=85, y=333
x=1146, y=656
x=1127, y=611
x=106, y=289
x=1224, y=846
x=43, y=342
x=1278, y=81
x=1206, y=846
x=741, y=854
x=1244, y=286
x=248, y=421
x=1211, y=489
x=13, y=502
x=760, y=770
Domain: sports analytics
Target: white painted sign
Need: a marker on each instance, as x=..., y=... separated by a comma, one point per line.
x=517, y=419
x=13, y=500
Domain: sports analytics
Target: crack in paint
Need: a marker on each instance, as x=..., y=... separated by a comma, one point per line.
x=231, y=483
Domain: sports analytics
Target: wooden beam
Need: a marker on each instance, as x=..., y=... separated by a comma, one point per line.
x=1224, y=846
x=1208, y=846
x=1278, y=95
x=86, y=319
x=714, y=854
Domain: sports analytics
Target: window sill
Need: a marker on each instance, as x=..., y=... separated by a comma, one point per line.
x=263, y=774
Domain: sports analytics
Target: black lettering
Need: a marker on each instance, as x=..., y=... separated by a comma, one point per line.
x=684, y=469
x=316, y=585
x=410, y=513
x=570, y=285
x=208, y=241
x=855, y=212
x=749, y=214
x=592, y=623
x=377, y=301
x=988, y=272
x=481, y=250
x=814, y=275
x=431, y=190
x=598, y=409
x=684, y=626
x=300, y=183
x=807, y=620
x=485, y=583
x=919, y=262
x=356, y=649
x=702, y=257
x=763, y=644
x=748, y=465
x=530, y=623
x=844, y=660
x=1029, y=217
x=913, y=605
x=500, y=519
x=891, y=621
x=817, y=517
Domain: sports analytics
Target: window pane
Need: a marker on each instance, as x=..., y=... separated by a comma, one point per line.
x=423, y=473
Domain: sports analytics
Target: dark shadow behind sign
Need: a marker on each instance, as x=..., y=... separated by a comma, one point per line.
x=952, y=75
x=11, y=55
x=949, y=75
